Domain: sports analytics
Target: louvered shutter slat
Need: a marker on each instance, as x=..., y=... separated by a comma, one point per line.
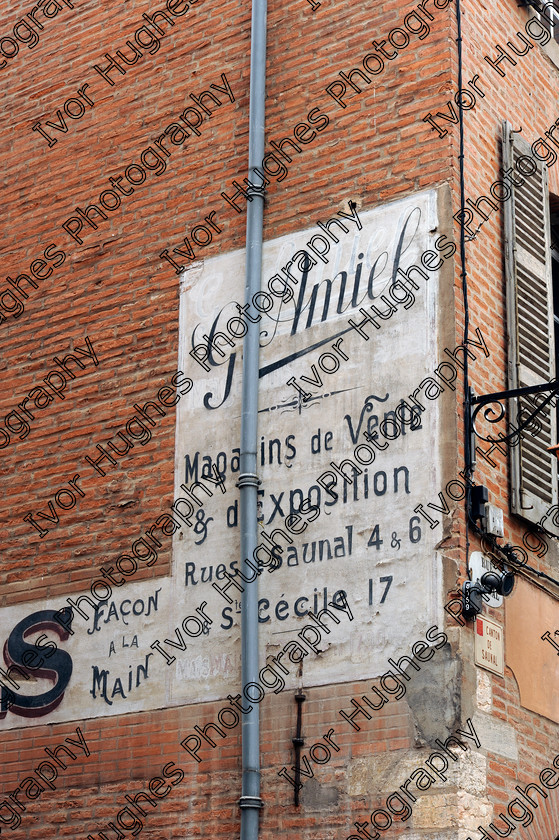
x=530, y=330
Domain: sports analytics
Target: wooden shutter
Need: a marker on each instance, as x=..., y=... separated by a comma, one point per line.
x=531, y=352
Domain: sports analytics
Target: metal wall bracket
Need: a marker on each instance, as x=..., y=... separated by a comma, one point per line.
x=494, y=415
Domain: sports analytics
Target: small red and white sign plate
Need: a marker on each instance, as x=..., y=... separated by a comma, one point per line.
x=489, y=647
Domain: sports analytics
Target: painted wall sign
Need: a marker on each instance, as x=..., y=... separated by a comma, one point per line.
x=103, y=667
x=367, y=540
x=176, y=640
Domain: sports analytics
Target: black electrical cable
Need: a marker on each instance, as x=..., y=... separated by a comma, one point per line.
x=467, y=448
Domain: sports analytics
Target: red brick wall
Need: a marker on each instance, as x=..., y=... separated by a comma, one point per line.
x=117, y=290
x=128, y=751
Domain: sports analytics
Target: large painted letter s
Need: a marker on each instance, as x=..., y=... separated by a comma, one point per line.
x=21, y=657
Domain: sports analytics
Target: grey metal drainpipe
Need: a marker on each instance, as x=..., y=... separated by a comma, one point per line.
x=250, y=801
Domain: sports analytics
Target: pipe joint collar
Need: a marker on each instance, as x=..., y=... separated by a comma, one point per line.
x=252, y=190
x=248, y=480
x=251, y=802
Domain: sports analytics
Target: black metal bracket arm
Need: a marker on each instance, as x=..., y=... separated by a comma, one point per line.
x=494, y=415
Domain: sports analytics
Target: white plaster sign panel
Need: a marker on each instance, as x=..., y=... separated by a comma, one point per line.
x=298, y=440
x=113, y=669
